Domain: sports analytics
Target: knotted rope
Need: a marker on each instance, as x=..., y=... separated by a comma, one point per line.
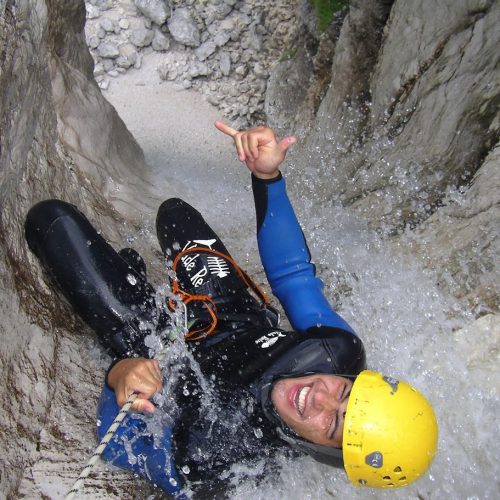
x=113, y=427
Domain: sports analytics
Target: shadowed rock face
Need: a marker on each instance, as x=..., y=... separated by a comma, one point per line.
x=409, y=116
x=59, y=139
x=411, y=109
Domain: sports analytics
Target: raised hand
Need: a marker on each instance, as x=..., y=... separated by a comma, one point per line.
x=259, y=149
x=139, y=375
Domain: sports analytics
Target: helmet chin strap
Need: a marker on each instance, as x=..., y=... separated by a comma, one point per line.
x=324, y=454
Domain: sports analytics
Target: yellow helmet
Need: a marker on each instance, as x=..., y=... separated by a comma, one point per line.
x=390, y=432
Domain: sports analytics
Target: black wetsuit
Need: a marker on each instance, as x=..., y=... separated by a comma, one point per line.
x=110, y=292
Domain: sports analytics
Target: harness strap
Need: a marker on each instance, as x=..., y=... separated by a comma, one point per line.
x=206, y=300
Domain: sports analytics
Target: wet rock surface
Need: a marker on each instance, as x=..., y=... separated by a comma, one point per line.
x=408, y=127
x=51, y=112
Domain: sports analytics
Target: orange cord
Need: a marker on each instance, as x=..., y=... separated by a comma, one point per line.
x=206, y=299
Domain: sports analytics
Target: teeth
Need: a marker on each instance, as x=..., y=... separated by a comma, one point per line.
x=301, y=399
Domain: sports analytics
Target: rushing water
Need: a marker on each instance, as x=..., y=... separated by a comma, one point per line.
x=408, y=325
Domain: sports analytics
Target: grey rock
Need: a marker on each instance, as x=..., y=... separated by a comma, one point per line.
x=410, y=111
x=93, y=41
x=205, y=50
x=128, y=55
x=142, y=37
x=241, y=70
x=103, y=4
x=255, y=39
x=235, y=56
x=108, y=64
x=161, y=42
x=107, y=25
x=221, y=38
x=128, y=8
x=64, y=141
x=183, y=28
x=243, y=20
x=228, y=24
x=104, y=84
x=198, y=69
x=173, y=65
x=108, y=50
x=213, y=12
x=286, y=91
x=462, y=239
x=98, y=70
x=157, y=11
x=259, y=71
x=225, y=63
x=93, y=12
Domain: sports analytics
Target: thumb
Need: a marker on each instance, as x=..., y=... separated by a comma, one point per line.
x=286, y=142
x=143, y=405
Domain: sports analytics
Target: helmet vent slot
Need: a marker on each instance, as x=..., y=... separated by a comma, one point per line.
x=397, y=469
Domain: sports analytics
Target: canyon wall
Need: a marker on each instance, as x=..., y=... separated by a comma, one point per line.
x=401, y=123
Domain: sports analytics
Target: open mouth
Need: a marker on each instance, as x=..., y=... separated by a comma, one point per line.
x=301, y=398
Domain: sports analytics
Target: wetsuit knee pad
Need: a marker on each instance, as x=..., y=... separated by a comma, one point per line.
x=110, y=295
x=40, y=218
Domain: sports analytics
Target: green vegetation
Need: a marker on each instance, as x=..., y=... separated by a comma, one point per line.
x=288, y=54
x=325, y=9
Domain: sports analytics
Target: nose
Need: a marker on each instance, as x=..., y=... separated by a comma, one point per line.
x=323, y=400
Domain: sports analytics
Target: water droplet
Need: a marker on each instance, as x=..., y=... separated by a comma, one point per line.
x=131, y=279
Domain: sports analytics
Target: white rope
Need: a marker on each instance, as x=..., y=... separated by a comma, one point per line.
x=112, y=428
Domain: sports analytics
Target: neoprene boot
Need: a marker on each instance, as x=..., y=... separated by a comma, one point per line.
x=203, y=266
x=109, y=294
x=134, y=260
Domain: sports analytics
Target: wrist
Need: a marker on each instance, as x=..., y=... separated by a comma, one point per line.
x=267, y=177
x=259, y=180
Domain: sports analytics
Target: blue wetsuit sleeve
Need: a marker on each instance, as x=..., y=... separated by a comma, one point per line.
x=287, y=261
x=133, y=446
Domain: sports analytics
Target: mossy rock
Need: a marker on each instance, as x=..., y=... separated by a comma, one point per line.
x=326, y=9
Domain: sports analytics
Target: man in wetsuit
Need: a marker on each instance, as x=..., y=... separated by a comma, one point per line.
x=269, y=387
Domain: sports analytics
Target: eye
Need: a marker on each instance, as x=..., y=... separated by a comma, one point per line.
x=333, y=426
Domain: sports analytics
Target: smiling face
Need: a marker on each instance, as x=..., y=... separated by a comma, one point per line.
x=313, y=406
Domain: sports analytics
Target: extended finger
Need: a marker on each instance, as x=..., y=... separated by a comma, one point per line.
x=225, y=129
x=246, y=148
x=239, y=146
